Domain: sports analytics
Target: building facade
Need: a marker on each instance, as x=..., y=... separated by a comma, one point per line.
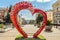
x=56, y=12
x=3, y=11
x=49, y=15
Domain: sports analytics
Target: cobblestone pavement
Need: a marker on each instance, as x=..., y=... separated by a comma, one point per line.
x=54, y=35
x=11, y=34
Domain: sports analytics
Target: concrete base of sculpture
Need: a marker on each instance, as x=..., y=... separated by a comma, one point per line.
x=40, y=37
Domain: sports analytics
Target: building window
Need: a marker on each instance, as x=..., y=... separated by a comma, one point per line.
x=59, y=21
x=58, y=9
x=57, y=15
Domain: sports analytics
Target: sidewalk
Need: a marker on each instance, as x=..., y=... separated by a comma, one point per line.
x=55, y=35
x=7, y=29
x=11, y=34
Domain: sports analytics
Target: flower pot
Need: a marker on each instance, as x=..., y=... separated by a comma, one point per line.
x=48, y=28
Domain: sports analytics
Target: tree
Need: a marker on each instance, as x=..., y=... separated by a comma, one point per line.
x=39, y=19
x=7, y=18
x=49, y=23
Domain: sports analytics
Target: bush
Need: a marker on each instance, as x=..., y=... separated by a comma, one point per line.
x=40, y=37
x=1, y=25
x=48, y=23
x=19, y=37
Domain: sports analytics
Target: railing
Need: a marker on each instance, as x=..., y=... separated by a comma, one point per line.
x=57, y=25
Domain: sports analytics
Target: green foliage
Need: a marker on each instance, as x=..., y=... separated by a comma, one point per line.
x=31, y=22
x=20, y=37
x=39, y=19
x=41, y=37
x=48, y=23
x=10, y=9
x=7, y=18
x=1, y=25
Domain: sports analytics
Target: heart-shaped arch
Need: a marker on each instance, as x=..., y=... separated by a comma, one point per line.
x=26, y=5
x=13, y=15
x=44, y=21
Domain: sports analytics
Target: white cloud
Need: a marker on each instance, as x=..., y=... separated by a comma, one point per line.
x=28, y=0
x=38, y=0
x=47, y=0
x=43, y=0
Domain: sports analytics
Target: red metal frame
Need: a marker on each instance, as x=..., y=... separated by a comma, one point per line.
x=14, y=12
x=43, y=24
x=25, y=5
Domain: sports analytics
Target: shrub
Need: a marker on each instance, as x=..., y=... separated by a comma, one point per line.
x=40, y=37
x=1, y=25
x=19, y=37
x=48, y=23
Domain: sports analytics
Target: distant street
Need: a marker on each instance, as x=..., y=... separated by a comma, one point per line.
x=30, y=29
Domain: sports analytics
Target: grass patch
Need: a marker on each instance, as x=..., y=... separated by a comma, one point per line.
x=1, y=25
x=41, y=37
x=20, y=37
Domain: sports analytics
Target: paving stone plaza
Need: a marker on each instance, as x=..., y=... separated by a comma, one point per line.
x=11, y=34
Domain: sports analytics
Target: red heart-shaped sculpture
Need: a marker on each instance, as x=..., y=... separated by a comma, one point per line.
x=44, y=21
x=26, y=5
x=13, y=15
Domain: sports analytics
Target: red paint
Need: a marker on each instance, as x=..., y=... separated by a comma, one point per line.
x=13, y=15
x=25, y=5
x=44, y=21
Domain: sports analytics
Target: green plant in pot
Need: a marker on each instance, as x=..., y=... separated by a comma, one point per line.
x=48, y=26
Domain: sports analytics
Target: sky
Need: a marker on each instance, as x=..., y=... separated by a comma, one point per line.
x=41, y=4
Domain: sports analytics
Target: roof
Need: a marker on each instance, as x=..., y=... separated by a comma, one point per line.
x=56, y=3
x=2, y=9
x=49, y=10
